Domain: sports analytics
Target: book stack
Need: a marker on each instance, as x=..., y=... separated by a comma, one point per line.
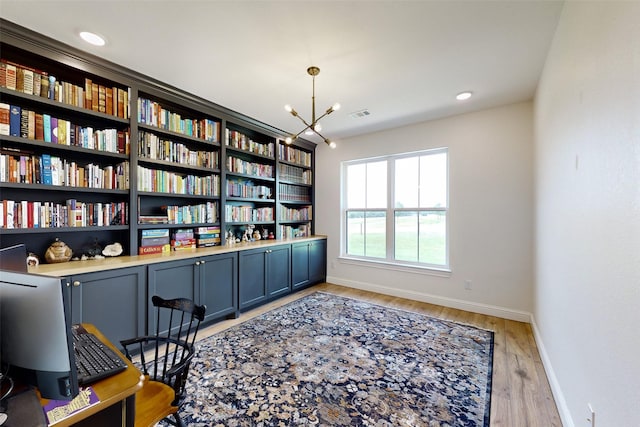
x=207, y=236
x=154, y=241
x=183, y=238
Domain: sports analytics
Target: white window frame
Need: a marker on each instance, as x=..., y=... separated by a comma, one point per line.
x=390, y=214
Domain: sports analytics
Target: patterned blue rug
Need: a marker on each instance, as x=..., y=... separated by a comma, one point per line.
x=332, y=361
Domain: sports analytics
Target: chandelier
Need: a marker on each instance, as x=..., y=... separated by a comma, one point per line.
x=314, y=126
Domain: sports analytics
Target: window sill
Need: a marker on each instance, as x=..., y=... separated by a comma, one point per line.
x=385, y=265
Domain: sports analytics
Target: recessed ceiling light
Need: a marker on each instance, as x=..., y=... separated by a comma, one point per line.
x=463, y=95
x=92, y=38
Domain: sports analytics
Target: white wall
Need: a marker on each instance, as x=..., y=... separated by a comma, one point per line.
x=587, y=147
x=491, y=210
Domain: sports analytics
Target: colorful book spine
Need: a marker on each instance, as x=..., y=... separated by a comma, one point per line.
x=14, y=120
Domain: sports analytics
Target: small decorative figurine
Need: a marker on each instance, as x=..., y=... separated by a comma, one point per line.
x=33, y=260
x=256, y=235
x=271, y=235
x=113, y=249
x=58, y=252
x=230, y=238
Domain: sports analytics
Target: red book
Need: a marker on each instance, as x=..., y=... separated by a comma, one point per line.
x=156, y=249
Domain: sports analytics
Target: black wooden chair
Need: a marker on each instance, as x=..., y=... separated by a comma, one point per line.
x=164, y=359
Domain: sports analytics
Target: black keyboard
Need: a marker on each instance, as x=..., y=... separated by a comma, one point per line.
x=94, y=360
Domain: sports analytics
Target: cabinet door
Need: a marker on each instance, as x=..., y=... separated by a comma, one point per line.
x=278, y=270
x=251, y=277
x=173, y=279
x=219, y=284
x=114, y=301
x=299, y=265
x=318, y=261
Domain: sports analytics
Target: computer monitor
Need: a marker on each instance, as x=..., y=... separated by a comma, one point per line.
x=35, y=333
x=14, y=258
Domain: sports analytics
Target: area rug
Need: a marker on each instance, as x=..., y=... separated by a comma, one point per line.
x=332, y=361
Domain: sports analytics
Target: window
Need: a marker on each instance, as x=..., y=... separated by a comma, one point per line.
x=395, y=209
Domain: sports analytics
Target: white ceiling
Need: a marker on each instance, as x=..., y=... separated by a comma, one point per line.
x=404, y=61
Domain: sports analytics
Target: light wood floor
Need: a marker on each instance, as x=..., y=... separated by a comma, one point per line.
x=520, y=396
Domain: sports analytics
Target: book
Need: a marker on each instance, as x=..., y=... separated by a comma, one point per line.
x=157, y=232
x=62, y=132
x=154, y=241
x=39, y=127
x=157, y=249
x=109, y=93
x=44, y=85
x=11, y=79
x=94, y=96
x=46, y=119
x=54, y=130
x=58, y=410
x=5, y=117
x=31, y=133
x=24, y=123
x=14, y=120
x=3, y=73
x=102, y=99
x=153, y=219
x=27, y=86
x=19, y=79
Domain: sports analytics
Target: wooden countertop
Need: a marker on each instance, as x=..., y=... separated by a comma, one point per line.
x=91, y=266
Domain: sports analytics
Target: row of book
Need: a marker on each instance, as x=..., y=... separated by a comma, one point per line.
x=163, y=240
x=153, y=114
x=293, y=214
x=235, y=213
x=237, y=165
x=110, y=100
x=248, y=189
x=53, y=170
x=293, y=193
x=201, y=213
x=294, y=155
x=294, y=174
x=159, y=181
x=242, y=142
x=290, y=232
x=151, y=146
x=18, y=121
x=72, y=213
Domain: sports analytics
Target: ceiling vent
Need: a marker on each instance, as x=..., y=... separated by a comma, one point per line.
x=360, y=114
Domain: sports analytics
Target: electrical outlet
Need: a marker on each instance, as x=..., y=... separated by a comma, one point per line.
x=592, y=415
x=467, y=285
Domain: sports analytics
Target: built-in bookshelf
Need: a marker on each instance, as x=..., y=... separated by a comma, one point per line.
x=93, y=152
x=250, y=182
x=295, y=191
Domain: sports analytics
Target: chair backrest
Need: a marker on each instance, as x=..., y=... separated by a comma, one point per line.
x=172, y=345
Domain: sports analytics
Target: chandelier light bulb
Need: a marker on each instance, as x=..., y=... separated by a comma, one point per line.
x=288, y=108
x=332, y=145
x=288, y=140
x=335, y=107
x=317, y=127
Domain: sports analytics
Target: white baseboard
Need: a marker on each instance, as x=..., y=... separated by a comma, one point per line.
x=474, y=307
x=558, y=396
